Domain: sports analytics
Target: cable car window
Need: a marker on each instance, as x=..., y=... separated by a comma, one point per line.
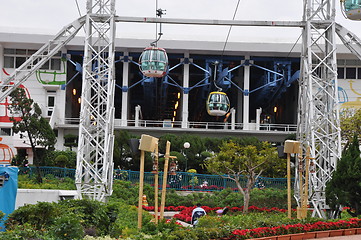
x=352, y=4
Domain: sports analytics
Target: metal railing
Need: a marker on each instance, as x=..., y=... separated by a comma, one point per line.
x=182, y=181
x=198, y=125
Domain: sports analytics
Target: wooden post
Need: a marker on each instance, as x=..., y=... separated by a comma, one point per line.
x=307, y=170
x=165, y=174
x=289, y=185
x=300, y=177
x=156, y=184
x=141, y=183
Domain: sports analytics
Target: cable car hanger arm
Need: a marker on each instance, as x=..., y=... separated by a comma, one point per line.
x=256, y=89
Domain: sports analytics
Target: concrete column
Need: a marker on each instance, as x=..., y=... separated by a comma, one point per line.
x=124, y=116
x=258, y=118
x=185, y=97
x=233, y=118
x=246, y=95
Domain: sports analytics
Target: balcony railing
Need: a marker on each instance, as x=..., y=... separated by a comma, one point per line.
x=198, y=125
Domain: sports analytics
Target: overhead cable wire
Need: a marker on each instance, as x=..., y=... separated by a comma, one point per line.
x=294, y=45
x=230, y=27
x=77, y=5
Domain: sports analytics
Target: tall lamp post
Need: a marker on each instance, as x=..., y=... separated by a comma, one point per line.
x=186, y=145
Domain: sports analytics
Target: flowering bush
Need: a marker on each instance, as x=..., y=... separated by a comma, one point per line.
x=186, y=212
x=294, y=228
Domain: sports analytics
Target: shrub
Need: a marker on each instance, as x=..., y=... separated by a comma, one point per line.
x=25, y=231
x=126, y=219
x=93, y=214
x=66, y=227
x=37, y=215
x=61, y=161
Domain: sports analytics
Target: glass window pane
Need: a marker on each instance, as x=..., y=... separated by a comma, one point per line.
x=19, y=61
x=359, y=73
x=45, y=66
x=31, y=52
x=6, y=131
x=20, y=52
x=340, y=73
x=8, y=62
x=350, y=73
x=55, y=64
x=51, y=101
x=9, y=51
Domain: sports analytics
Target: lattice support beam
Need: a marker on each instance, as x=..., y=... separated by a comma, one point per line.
x=94, y=173
x=318, y=115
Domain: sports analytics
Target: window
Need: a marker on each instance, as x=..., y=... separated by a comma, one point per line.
x=5, y=132
x=350, y=73
x=340, y=73
x=348, y=69
x=50, y=102
x=13, y=58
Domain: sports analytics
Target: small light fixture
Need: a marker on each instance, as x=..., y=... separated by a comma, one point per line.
x=74, y=91
x=176, y=105
x=79, y=100
x=275, y=109
x=174, y=113
x=179, y=95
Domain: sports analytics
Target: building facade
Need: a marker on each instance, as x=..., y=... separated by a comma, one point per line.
x=260, y=80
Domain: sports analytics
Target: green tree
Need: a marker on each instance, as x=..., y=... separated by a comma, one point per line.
x=345, y=188
x=236, y=161
x=70, y=141
x=350, y=123
x=27, y=119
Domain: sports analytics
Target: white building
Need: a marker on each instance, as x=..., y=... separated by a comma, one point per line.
x=263, y=106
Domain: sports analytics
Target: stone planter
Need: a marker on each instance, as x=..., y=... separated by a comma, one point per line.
x=309, y=235
x=264, y=238
x=297, y=236
x=284, y=237
x=322, y=234
x=335, y=233
x=350, y=231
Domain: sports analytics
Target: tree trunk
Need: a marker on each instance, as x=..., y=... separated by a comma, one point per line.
x=246, y=198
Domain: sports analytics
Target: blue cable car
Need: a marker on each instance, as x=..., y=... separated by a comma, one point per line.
x=352, y=9
x=217, y=104
x=153, y=62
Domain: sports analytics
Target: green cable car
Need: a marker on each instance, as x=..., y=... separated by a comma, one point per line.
x=351, y=9
x=217, y=104
x=153, y=62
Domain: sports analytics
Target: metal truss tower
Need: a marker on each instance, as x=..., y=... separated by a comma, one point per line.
x=94, y=172
x=318, y=114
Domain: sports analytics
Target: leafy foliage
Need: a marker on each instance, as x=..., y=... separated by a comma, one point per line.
x=350, y=123
x=70, y=141
x=344, y=188
x=30, y=121
x=237, y=159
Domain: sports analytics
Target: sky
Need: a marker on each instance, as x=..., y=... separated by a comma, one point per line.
x=49, y=16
